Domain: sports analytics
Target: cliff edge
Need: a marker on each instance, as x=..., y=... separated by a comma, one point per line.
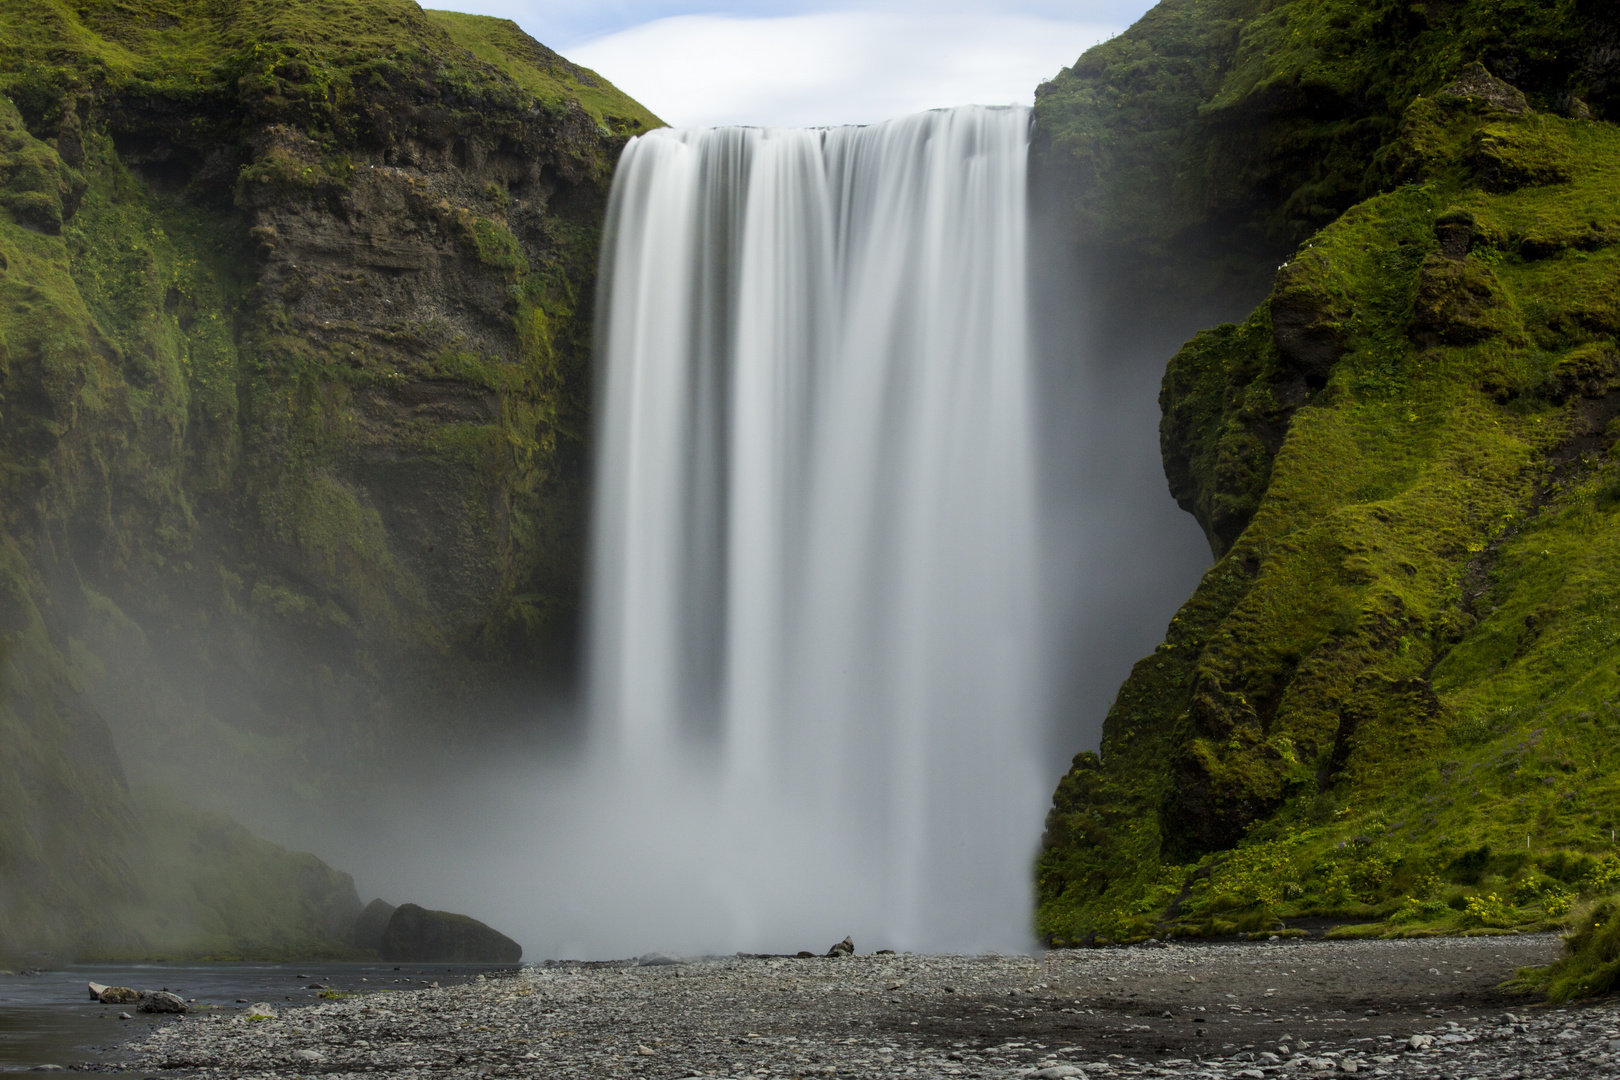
x=1391, y=706
x=295, y=311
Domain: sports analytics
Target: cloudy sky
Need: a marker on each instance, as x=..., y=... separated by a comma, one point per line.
x=813, y=62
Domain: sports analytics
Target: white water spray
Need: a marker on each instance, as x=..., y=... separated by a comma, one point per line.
x=813, y=668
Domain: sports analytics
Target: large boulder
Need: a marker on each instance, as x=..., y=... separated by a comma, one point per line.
x=417, y=935
x=161, y=1001
x=373, y=921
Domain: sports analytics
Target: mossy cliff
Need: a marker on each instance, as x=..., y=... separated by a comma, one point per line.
x=1394, y=701
x=294, y=329
x=1194, y=151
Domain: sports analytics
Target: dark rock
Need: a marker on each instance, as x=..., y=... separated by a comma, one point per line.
x=1455, y=231
x=161, y=1001
x=369, y=927
x=804, y=954
x=843, y=948
x=1308, y=320
x=417, y=935
x=653, y=959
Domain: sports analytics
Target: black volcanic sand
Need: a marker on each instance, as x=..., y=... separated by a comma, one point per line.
x=1421, y=1008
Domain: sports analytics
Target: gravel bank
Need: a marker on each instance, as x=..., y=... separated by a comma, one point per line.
x=1426, y=1008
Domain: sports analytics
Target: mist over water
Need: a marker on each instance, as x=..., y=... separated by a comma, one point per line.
x=813, y=683
x=872, y=558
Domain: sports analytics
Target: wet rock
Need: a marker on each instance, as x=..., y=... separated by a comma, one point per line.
x=417, y=935
x=843, y=948
x=161, y=1001
x=125, y=1016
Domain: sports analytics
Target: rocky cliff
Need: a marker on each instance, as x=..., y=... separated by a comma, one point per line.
x=294, y=327
x=1391, y=705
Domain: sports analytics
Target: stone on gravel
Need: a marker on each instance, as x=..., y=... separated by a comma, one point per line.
x=259, y=1010
x=657, y=959
x=308, y=1055
x=843, y=948
x=161, y=1001
x=1011, y=1018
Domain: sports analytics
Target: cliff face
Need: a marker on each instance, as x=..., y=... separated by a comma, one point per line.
x=1199, y=147
x=294, y=330
x=1392, y=701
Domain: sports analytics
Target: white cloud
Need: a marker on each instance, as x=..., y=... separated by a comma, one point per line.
x=833, y=67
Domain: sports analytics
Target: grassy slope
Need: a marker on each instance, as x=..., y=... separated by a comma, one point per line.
x=322, y=53
x=146, y=394
x=1394, y=700
x=1197, y=148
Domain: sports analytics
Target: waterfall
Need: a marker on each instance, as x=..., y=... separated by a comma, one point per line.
x=813, y=673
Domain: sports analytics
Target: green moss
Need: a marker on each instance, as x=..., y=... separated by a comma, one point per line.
x=551, y=79
x=310, y=64
x=208, y=887
x=197, y=471
x=496, y=246
x=1195, y=149
x=1390, y=699
x=1591, y=965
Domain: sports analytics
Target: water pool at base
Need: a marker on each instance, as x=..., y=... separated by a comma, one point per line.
x=47, y=1018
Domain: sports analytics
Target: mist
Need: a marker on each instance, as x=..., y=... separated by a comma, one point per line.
x=525, y=816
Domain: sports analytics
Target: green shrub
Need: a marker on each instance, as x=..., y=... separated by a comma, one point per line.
x=1591, y=961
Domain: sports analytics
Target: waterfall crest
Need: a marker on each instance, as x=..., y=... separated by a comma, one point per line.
x=812, y=655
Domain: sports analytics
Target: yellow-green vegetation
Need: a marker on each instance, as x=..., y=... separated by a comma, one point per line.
x=313, y=63
x=1592, y=962
x=207, y=887
x=1394, y=701
x=552, y=80
x=1196, y=148
x=295, y=317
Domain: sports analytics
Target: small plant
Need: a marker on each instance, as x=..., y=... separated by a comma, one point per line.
x=1414, y=910
x=1488, y=909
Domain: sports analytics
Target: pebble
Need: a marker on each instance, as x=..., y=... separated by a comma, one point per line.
x=1072, y=1015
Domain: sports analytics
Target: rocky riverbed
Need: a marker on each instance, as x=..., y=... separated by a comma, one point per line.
x=1418, y=1008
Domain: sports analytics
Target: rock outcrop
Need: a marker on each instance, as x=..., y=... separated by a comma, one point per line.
x=371, y=924
x=416, y=935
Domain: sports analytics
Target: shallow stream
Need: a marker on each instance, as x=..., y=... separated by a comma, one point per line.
x=47, y=1018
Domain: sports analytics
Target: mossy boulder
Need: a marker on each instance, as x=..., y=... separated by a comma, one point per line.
x=416, y=935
